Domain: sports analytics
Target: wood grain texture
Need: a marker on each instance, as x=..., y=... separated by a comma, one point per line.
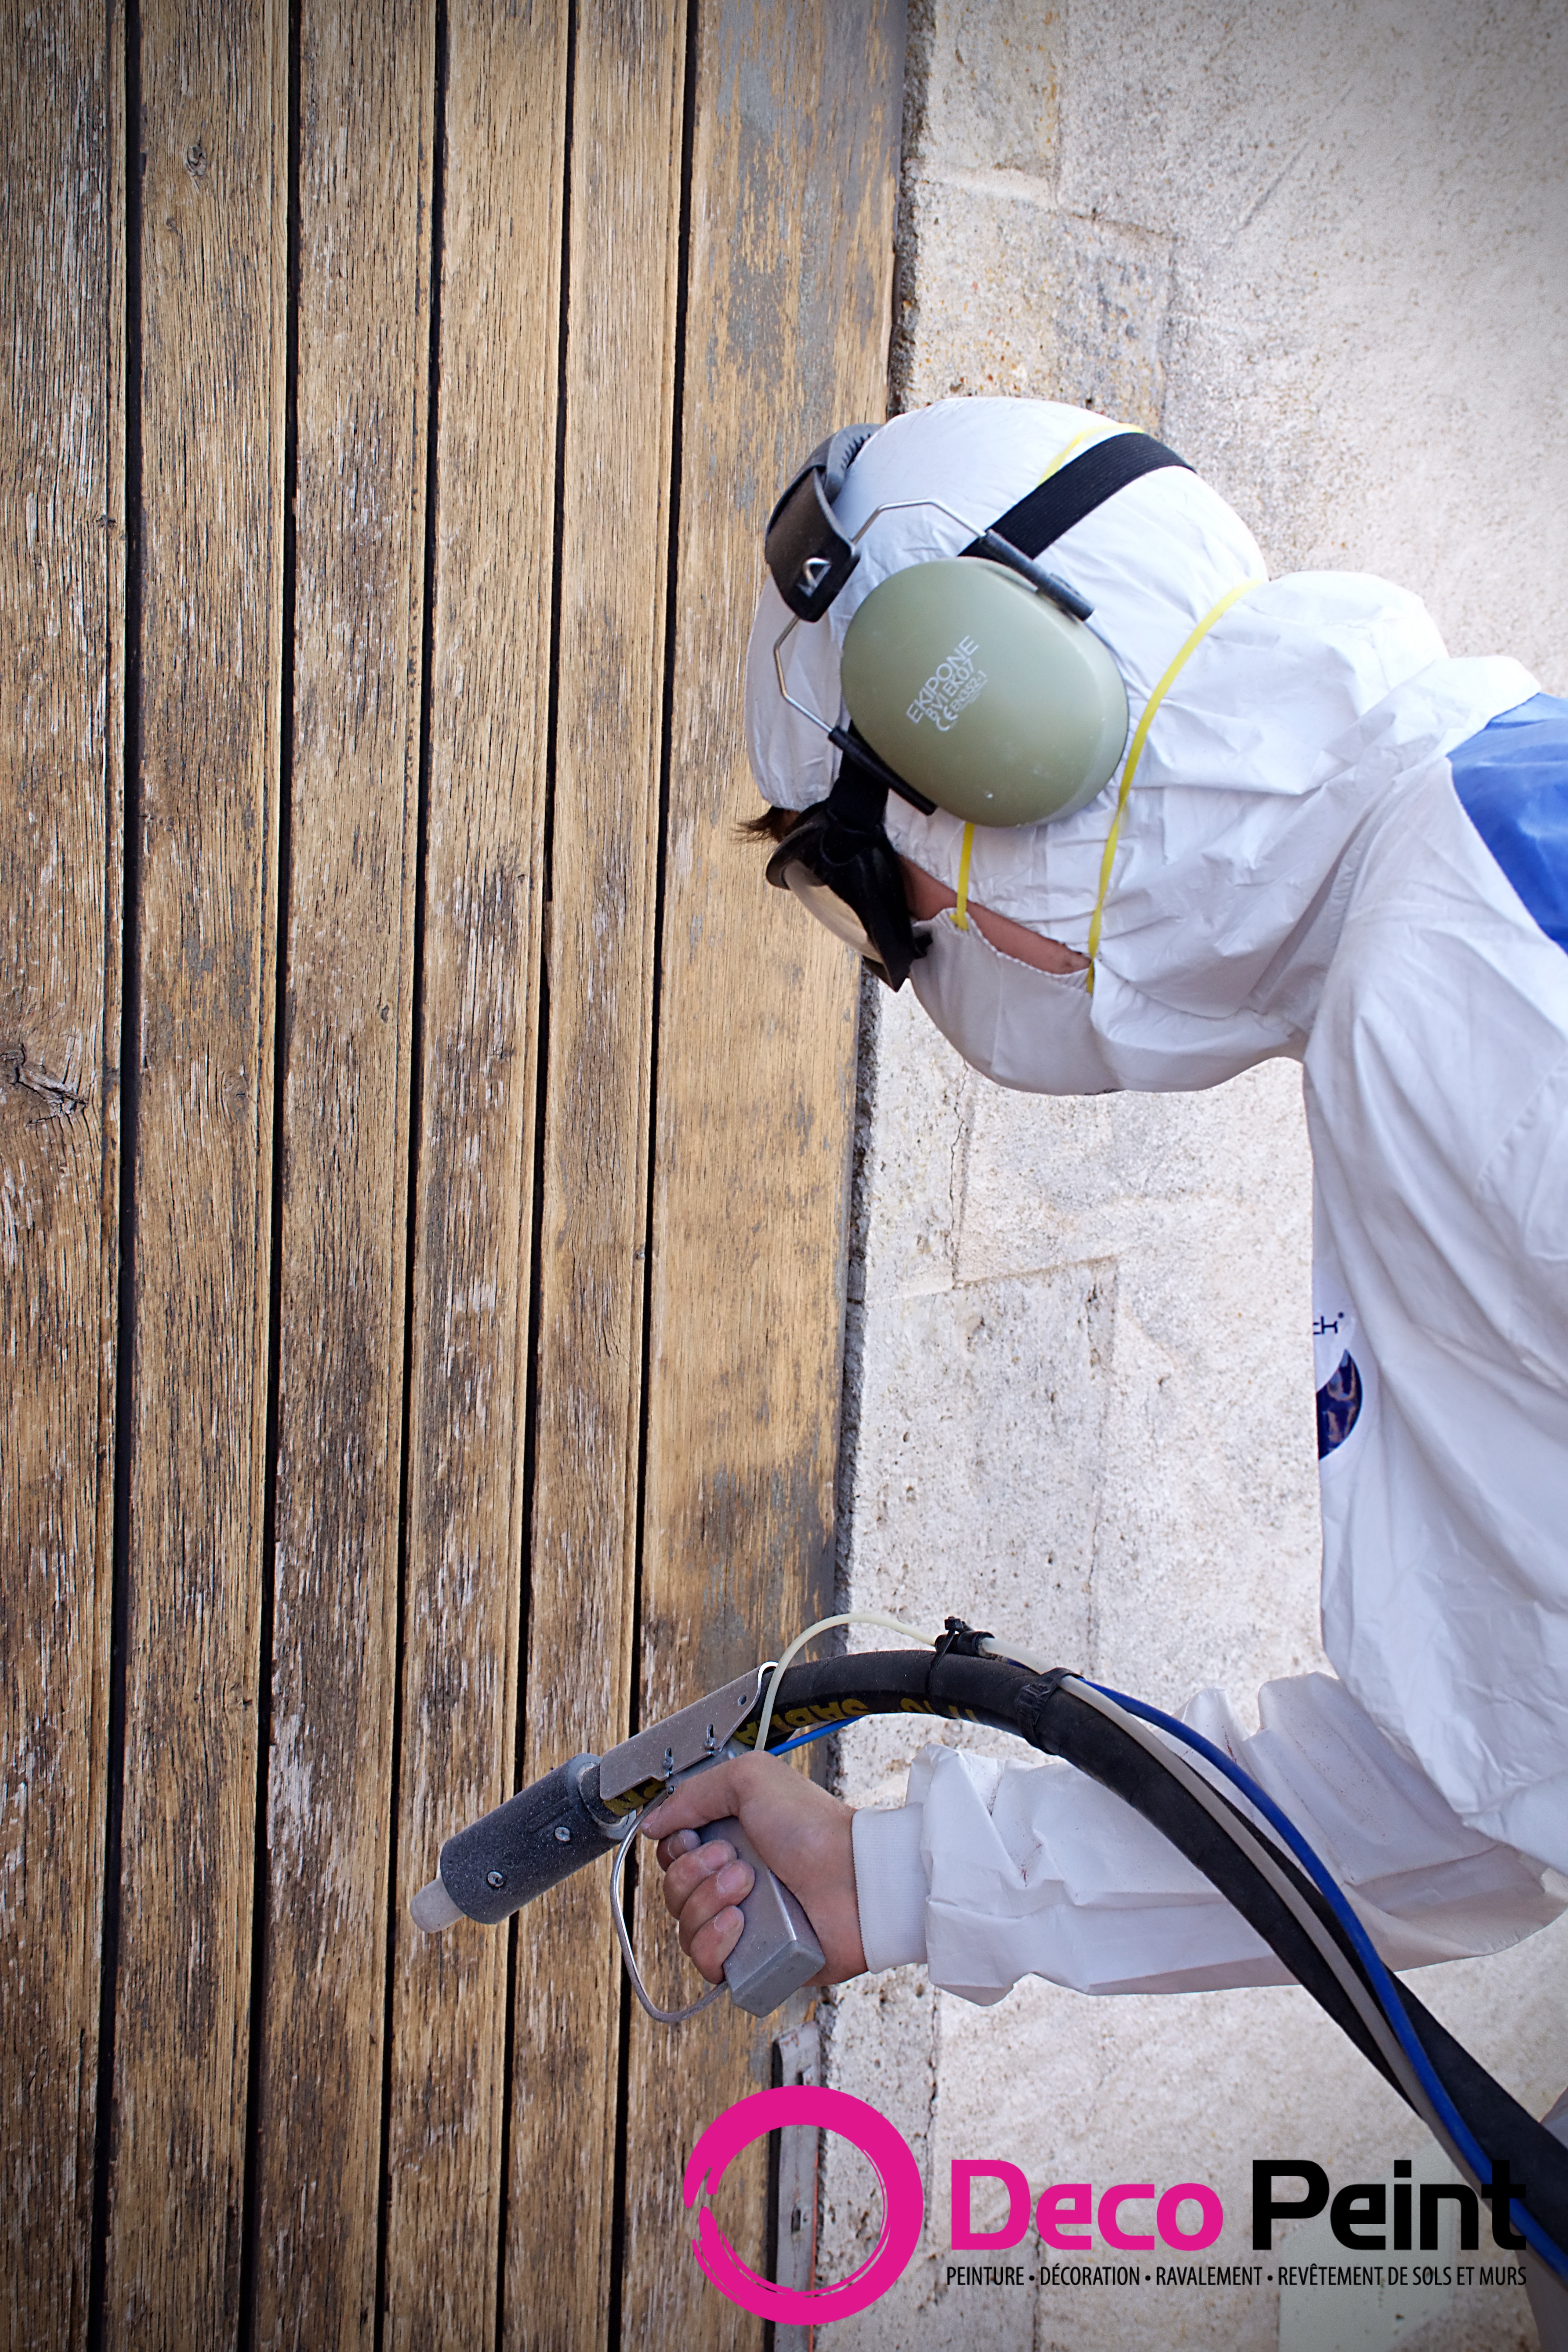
x=366, y=101
x=61, y=657
x=504, y=148
x=546, y=1480
x=795, y=175
x=628, y=88
x=212, y=257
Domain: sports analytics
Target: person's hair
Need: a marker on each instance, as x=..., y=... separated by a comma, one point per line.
x=771, y=825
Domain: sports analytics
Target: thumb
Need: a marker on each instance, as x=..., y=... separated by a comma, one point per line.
x=710, y=1796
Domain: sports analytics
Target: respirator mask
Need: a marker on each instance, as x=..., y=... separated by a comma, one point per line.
x=971, y=683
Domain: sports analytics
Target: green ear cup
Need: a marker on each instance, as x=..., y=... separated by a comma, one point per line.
x=984, y=694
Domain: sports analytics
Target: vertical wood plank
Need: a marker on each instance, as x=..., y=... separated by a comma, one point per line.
x=61, y=656
x=629, y=90
x=213, y=280
x=366, y=96
x=794, y=177
x=504, y=133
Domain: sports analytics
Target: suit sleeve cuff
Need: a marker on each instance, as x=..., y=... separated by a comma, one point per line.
x=890, y=1884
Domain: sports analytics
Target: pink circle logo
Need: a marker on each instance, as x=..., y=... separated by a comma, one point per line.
x=890, y=2158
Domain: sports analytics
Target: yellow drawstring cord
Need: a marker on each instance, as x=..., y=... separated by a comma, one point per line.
x=961, y=912
x=1059, y=460
x=1139, y=737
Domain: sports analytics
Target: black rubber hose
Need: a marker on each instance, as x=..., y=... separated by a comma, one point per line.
x=1013, y=1699
x=892, y=1682
x=1009, y=1698
x=1502, y=2126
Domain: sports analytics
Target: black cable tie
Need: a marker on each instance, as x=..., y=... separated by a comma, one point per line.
x=1033, y=1700
x=960, y=1640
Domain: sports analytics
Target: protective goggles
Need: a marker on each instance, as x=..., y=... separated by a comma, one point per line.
x=839, y=862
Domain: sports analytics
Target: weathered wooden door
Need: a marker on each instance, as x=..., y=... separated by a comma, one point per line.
x=423, y=1142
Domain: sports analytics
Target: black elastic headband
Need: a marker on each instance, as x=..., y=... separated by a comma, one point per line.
x=1052, y=508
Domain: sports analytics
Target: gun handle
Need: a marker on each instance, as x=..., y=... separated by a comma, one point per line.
x=777, y=1952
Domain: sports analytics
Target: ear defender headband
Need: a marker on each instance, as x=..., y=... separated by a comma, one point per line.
x=971, y=683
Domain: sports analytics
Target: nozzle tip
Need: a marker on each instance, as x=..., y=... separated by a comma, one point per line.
x=433, y=1908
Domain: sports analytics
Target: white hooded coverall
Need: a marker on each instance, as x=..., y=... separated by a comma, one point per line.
x=1296, y=876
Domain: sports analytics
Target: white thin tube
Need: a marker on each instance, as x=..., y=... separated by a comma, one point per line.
x=825, y=1625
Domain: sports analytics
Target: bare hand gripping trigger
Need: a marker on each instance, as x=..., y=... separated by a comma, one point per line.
x=592, y=1806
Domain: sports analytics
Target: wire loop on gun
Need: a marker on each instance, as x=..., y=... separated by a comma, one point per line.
x=622, y=1935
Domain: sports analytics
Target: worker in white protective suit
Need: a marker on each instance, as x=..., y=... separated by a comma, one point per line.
x=1337, y=845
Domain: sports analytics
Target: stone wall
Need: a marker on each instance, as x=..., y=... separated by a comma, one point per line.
x=1319, y=248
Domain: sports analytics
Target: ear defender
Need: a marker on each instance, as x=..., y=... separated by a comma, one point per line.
x=982, y=693
x=972, y=682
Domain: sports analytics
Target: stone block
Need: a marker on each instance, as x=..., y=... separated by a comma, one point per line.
x=992, y=75
x=1016, y=297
